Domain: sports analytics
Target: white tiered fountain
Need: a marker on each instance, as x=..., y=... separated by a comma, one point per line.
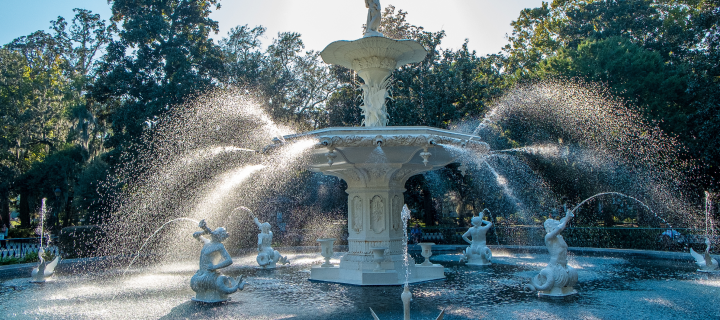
x=375, y=187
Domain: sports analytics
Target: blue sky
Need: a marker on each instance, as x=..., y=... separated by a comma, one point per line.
x=484, y=22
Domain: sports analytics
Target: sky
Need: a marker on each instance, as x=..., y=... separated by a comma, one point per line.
x=484, y=22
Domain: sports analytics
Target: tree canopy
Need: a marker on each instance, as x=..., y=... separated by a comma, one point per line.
x=76, y=101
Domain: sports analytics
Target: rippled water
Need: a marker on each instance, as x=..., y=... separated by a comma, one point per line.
x=609, y=287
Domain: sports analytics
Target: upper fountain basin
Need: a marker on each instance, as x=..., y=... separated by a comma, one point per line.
x=373, y=52
x=406, y=151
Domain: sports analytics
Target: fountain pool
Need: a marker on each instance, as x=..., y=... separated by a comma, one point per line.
x=613, y=285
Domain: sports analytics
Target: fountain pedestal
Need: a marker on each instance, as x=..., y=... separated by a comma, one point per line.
x=375, y=193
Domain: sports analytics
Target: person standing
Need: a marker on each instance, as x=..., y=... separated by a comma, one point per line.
x=416, y=234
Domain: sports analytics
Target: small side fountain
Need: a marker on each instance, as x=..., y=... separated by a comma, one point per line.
x=557, y=279
x=478, y=253
x=705, y=262
x=209, y=284
x=44, y=269
x=267, y=257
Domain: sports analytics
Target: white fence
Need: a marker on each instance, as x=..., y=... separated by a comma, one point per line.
x=433, y=236
x=18, y=250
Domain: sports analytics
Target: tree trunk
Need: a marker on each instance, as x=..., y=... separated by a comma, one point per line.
x=428, y=208
x=5, y=207
x=68, y=212
x=24, y=209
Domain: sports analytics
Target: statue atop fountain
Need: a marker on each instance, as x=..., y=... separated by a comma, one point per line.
x=267, y=258
x=705, y=262
x=557, y=279
x=44, y=269
x=477, y=254
x=209, y=284
x=373, y=18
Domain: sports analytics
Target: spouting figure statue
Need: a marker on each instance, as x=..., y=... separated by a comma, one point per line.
x=557, y=279
x=705, y=262
x=44, y=269
x=208, y=283
x=267, y=258
x=477, y=253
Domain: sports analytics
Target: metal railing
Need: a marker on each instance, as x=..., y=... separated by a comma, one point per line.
x=597, y=237
x=19, y=247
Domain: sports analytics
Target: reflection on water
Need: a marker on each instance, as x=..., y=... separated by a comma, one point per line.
x=609, y=287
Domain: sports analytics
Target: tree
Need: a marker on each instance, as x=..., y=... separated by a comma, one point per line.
x=81, y=45
x=45, y=77
x=31, y=95
x=539, y=33
x=243, y=58
x=631, y=72
x=293, y=86
x=705, y=86
x=161, y=58
x=52, y=179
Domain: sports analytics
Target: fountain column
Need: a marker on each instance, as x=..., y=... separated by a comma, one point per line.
x=375, y=201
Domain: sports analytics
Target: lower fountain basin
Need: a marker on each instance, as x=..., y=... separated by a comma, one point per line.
x=610, y=287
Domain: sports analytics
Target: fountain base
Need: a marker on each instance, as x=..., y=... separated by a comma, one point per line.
x=360, y=274
x=375, y=162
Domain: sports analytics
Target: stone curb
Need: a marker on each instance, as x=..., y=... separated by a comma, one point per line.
x=12, y=271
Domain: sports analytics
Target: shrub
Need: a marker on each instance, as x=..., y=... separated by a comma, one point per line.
x=21, y=233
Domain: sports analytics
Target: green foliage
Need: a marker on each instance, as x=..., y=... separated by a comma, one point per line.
x=91, y=193
x=631, y=72
x=292, y=85
x=161, y=58
x=21, y=233
x=80, y=241
x=659, y=55
x=30, y=257
x=76, y=98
